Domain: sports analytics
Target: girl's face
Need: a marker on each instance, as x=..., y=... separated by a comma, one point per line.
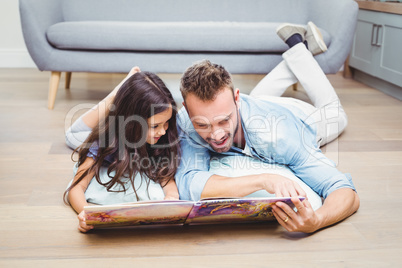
x=158, y=124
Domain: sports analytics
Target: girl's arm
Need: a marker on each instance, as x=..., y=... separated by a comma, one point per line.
x=170, y=190
x=98, y=112
x=76, y=196
x=82, y=127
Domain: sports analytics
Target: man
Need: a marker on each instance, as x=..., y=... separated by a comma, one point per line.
x=218, y=119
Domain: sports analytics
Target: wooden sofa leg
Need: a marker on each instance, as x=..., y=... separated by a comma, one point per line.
x=347, y=72
x=68, y=80
x=53, y=86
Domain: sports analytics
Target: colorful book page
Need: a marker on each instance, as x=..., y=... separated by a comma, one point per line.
x=234, y=210
x=141, y=213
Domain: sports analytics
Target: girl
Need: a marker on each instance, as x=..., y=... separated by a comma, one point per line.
x=131, y=146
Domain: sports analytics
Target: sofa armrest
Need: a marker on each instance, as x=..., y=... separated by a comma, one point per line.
x=36, y=16
x=338, y=18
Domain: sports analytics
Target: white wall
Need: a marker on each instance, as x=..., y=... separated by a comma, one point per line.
x=13, y=52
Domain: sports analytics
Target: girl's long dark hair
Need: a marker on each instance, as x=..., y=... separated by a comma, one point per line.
x=122, y=136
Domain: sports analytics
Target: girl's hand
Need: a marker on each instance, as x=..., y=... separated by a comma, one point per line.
x=133, y=70
x=170, y=190
x=82, y=225
x=171, y=197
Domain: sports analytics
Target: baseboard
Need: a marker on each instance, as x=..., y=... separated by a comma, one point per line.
x=15, y=58
x=386, y=87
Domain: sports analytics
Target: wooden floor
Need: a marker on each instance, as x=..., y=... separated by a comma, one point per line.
x=38, y=230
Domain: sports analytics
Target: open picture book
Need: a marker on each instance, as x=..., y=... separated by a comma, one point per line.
x=217, y=210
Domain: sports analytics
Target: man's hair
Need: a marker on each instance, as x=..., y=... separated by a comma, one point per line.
x=205, y=79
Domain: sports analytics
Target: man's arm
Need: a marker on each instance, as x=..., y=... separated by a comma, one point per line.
x=219, y=186
x=320, y=173
x=339, y=205
x=192, y=172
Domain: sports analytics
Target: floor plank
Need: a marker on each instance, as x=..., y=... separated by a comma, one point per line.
x=38, y=230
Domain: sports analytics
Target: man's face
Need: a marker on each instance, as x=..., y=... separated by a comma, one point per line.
x=215, y=121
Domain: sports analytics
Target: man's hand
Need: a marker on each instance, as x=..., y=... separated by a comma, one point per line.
x=82, y=225
x=304, y=220
x=220, y=186
x=282, y=186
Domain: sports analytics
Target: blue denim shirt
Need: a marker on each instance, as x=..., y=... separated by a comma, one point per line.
x=274, y=134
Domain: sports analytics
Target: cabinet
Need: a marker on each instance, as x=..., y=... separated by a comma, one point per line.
x=377, y=46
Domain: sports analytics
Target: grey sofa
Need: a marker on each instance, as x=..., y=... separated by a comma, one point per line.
x=169, y=35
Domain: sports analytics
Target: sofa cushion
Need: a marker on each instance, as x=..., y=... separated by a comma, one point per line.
x=186, y=10
x=169, y=36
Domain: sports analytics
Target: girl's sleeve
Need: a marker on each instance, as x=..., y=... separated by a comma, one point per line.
x=77, y=133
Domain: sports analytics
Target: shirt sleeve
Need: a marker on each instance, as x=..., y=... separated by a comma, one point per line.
x=193, y=171
x=294, y=144
x=321, y=174
x=93, y=150
x=93, y=153
x=308, y=163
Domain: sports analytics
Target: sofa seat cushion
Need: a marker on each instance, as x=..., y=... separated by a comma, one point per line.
x=259, y=37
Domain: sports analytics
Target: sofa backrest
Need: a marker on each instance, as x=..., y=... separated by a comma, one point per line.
x=295, y=11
